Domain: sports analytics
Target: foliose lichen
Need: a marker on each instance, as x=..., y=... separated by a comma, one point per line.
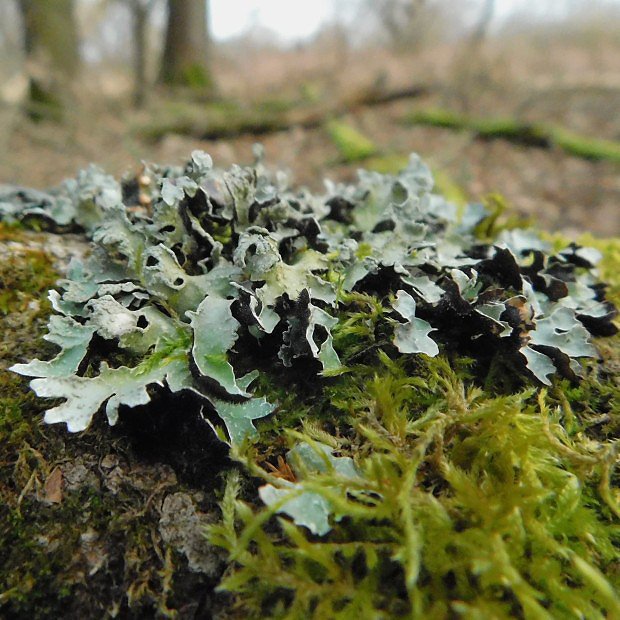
x=192, y=265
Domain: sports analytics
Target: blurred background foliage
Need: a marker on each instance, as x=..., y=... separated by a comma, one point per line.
x=326, y=86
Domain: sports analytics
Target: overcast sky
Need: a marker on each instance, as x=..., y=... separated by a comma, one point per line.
x=298, y=19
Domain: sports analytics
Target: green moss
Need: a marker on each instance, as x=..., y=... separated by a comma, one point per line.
x=472, y=503
x=44, y=571
x=11, y=232
x=469, y=505
x=277, y=105
x=484, y=128
x=499, y=219
x=214, y=120
x=197, y=77
x=24, y=277
x=586, y=148
x=521, y=133
x=387, y=164
x=437, y=118
x=352, y=145
x=311, y=92
x=43, y=103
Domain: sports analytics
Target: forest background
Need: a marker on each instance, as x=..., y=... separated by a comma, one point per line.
x=348, y=84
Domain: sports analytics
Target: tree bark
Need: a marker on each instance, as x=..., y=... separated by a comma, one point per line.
x=52, y=48
x=186, y=53
x=139, y=16
x=50, y=32
x=398, y=18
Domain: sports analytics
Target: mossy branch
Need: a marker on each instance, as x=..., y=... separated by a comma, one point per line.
x=518, y=132
x=228, y=119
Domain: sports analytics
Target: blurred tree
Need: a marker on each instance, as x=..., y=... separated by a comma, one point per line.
x=472, y=71
x=484, y=22
x=140, y=13
x=52, y=48
x=187, y=48
x=398, y=18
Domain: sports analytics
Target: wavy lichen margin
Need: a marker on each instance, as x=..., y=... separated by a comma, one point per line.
x=192, y=265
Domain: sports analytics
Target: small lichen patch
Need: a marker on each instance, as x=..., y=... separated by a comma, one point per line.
x=182, y=527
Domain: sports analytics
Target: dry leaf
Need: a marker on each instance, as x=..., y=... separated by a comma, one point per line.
x=52, y=489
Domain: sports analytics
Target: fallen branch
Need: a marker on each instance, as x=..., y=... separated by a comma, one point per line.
x=526, y=134
x=228, y=120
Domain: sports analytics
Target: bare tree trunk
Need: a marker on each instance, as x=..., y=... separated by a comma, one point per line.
x=398, y=18
x=139, y=16
x=52, y=47
x=186, y=54
x=50, y=31
x=482, y=27
x=140, y=12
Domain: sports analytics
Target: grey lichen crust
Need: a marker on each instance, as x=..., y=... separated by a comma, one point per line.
x=192, y=265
